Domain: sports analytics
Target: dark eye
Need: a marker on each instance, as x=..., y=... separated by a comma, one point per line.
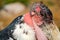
x=34, y=11
x=20, y=26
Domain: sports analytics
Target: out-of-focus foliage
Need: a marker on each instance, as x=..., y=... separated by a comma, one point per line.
x=50, y=3
x=4, y=2
x=26, y=2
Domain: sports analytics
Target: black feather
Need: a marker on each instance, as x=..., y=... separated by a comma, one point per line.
x=6, y=33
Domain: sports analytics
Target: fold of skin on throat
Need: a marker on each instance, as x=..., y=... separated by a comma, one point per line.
x=38, y=31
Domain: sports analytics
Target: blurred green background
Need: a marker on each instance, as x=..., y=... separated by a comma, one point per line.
x=54, y=6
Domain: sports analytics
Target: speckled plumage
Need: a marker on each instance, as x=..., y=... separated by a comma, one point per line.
x=6, y=33
x=18, y=30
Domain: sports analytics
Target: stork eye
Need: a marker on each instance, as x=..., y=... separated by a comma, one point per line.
x=34, y=11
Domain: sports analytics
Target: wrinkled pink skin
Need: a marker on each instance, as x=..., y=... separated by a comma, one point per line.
x=38, y=31
x=28, y=20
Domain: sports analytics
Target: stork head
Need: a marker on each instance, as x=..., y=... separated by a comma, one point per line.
x=42, y=11
x=35, y=8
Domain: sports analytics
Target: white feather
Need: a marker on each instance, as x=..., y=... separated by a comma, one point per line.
x=10, y=38
x=20, y=33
